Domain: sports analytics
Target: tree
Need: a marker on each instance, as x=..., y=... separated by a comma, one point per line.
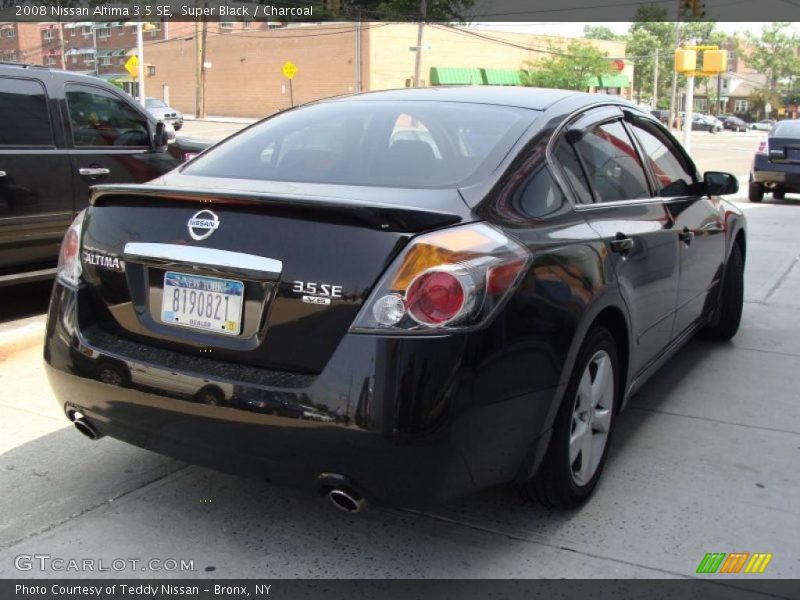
x=600, y=32
x=759, y=100
x=569, y=69
x=774, y=53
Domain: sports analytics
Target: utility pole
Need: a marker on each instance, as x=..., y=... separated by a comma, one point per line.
x=687, y=121
x=94, y=44
x=198, y=57
x=719, y=94
x=358, y=51
x=674, y=75
x=140, y=54
x=423, y=13
x=203, y=70
x=655, y=81
x=62, y=43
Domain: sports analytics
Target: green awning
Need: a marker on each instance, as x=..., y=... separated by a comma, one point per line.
x=619, y=80
x=455, y=76
x=502, y=77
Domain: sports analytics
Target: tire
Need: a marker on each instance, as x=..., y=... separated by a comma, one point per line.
x=729, y=314
x=755, y=192
x=560, y=482
x=778, y=194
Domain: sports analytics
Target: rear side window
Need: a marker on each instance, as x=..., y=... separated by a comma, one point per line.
x=673, y=175
x=23, y=113
x=787, y=129
x=100, y=118
x=612, y=164
x=566, y=157
x=541, y=197
x=414, y=144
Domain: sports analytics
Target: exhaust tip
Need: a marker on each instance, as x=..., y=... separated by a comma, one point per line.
x=83, y=426
x=346, y=500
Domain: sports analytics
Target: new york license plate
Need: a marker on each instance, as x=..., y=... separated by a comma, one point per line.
x=206, y=303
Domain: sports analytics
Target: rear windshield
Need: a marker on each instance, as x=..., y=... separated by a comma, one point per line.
x=373, y=143
x=787, y=129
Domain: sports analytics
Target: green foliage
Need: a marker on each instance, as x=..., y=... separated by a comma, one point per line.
x=774, y=53
x=569, y=69
x=600, y=32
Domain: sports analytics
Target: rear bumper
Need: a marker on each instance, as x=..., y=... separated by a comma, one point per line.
x=406, y=421
x=766, y=172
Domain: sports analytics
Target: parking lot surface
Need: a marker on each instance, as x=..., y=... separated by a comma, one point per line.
x=704, y=460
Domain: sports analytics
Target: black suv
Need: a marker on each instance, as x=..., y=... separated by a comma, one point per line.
x=60, y=133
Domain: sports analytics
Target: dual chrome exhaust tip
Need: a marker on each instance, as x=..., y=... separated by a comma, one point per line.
x=83, y=425
x=347, y=500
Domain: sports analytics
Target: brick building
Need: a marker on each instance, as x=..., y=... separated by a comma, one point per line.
x=245, y=78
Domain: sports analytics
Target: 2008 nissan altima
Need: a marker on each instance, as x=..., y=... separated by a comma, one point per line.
x=398, y=297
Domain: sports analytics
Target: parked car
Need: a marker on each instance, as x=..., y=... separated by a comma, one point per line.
x=776, y=165
x=62, y=133
x=734, y=124
x=764, y=125
x=705, y=123
x=452, y=323
x=163, y=112
x=661, y=115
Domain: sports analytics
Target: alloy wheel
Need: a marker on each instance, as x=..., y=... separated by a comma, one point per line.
x=591, y=418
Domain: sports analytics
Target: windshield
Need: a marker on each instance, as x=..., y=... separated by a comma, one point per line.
x=372, y=143
x=153, y=103
x=787, y=129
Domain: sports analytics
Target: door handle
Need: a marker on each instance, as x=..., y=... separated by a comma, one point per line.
x=686, y=236
x=94, y=171
x=621, y=244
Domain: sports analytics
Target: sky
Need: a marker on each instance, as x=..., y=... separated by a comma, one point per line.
x=575, y=29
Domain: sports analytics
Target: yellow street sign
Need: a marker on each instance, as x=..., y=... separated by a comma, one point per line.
x=289, y=69
x=132, y=66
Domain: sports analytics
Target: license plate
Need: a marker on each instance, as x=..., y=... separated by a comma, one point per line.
x=206, y=303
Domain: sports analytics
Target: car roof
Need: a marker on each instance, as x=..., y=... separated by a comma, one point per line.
x=521, y=97
x=38, y=70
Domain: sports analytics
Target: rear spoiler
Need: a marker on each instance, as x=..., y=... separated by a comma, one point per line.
x=377, y=215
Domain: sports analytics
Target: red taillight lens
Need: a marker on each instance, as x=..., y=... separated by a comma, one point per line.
x=762, y=147
x=69, y=249
x=456, y=278
x=69, y=261
x=435, y=298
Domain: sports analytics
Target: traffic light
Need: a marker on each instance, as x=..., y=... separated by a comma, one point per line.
x=698, y=8
x=685, y=8
x=715, y=61
x=685, y=61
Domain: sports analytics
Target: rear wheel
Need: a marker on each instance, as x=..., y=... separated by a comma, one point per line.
x=729, y=314
x=579, y=443
x=778, y=194
x=755, y=192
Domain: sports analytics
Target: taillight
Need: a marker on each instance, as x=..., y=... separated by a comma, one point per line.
x=69, y=260
x=451, y=279
x=763, y=147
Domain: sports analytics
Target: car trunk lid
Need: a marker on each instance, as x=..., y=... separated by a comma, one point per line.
x=291, y=263
x=784, y=150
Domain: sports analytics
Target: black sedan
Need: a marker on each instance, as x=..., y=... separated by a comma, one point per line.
x=398, y=318
x=734, y=124
x=776, y=165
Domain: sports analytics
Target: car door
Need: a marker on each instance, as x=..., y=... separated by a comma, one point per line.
x=35, y=178
x=697, y=218
x=110, y=140
x=602, y=164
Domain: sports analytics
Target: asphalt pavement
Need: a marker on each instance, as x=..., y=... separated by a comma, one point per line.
x=704, y=460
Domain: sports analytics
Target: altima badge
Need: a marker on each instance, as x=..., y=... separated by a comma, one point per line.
x=203, y=224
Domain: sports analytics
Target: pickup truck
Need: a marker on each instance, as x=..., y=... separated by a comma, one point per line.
x=61, y=133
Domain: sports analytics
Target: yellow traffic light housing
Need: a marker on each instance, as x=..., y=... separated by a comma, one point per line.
x=715, y=61
x=698, y=8
x=148, y=27
x=685, y=60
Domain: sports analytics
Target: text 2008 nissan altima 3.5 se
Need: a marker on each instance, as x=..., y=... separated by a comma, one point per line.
x=398, y=297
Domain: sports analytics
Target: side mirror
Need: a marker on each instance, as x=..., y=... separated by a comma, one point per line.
x=718, y=183
x=160, y=137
